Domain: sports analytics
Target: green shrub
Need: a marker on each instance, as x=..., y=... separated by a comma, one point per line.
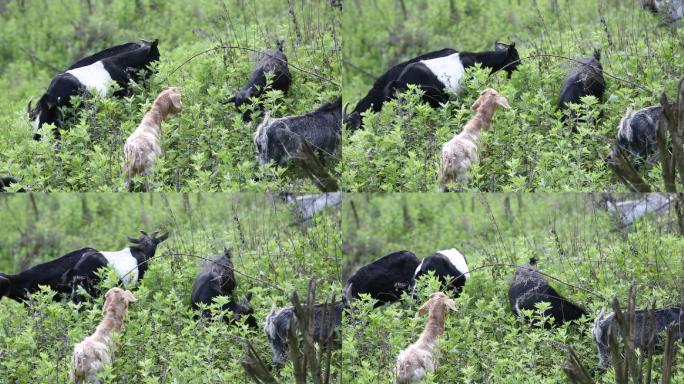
x=526, y=148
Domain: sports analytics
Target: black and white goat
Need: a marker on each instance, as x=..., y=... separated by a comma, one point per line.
x=449, y=266
x=95, y=73
x=217, y=279
x=585, y=79
x=129, y=263
x=637, y=134
x=436, y=73
x=323, y=331
x=664, y=317
x=384, y=279
x=20, y=285
x=272, y=61
x=280, y=139
x=529, y=287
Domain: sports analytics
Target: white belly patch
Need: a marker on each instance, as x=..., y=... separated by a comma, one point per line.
x=125, y=265
x=93, y=76
x=448, y=69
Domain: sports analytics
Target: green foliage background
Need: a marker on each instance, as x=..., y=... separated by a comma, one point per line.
x=207, y=147
x=160, y=340
x=574, y=239
x=527, y=148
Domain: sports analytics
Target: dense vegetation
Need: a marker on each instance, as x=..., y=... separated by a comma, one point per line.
x=160, y=341
x=526, y=148
x=208, y=146
x=572, y=236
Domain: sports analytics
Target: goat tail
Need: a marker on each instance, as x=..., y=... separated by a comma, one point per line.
x=134, y=160
x=77, y=375
x=401, y=372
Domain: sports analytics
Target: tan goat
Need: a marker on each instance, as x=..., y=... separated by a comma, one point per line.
x=459, y=153
x=93, y=353
x=143, y=145
x=418, y=359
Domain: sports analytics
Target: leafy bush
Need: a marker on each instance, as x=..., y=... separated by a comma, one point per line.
x=208, y=146
x=160, y=340
x=572, y=237
x=526, y=148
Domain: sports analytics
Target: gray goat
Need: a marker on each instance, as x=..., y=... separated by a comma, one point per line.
x=280, y=139
x=278, y=321
x=663, y=318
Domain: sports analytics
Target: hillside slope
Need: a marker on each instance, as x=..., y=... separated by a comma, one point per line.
x=526, y=148
x=160, y=341
x=207, y=147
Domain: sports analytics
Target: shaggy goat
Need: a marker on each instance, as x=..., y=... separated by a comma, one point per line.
x=93, y=353
x=118, y=64
x=277, y=323
x=217, y=279
x=414, y=362
x=384, y=279
x=142, y=146
x=449, y=266
x=459, y=153
x=529, y=287
x=664, y=317
x=272, y=61
x=672, y=9
x=280, y=139
x=436, y=73
x=637, y=134
x=586, y=79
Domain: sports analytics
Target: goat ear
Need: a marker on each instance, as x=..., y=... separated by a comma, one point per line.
x=155, y=42
x=133, y=240
x=502, y=102
x=476, y=104
x=176, y=100
x=425, y=307
x=28, y=107
x=128, y=295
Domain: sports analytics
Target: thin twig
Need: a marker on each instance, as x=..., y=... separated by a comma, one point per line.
x=250, y=50
x=635, y=85
x=36, y=58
